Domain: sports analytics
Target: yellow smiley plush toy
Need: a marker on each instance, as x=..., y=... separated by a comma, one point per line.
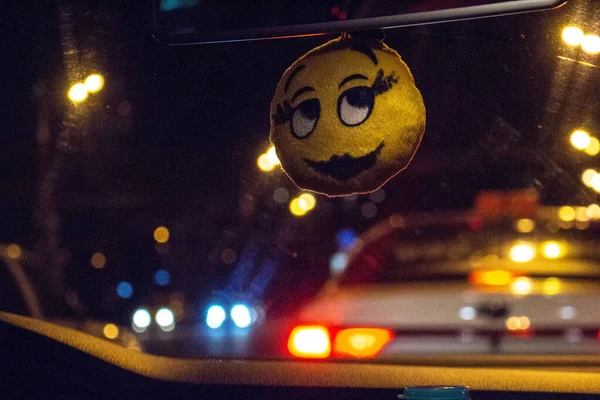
x=346, y=117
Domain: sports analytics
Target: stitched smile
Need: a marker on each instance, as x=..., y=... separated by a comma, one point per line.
x=345, y=167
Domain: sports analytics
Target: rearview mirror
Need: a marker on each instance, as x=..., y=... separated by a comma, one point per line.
x=207, y=21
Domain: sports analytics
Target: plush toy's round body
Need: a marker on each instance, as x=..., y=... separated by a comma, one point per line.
x=346, y=117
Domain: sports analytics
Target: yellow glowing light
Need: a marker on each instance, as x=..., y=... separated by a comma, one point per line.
x=492, y=278
x=525, y=225
x=517, y=323
x=98, y=260
x=593, y=211
x=552, y=250
x=521, y=286
x=272, y=156
x=595, y=183
x=591, y=44
x=298, y=207
x=594, y=147
x=587, y=176
x=161, y=234
x=308, y=200
x=551, y=286
x=94, y=83
x=13, y=251
x=524, y=323
x=581, y=214
x=566, y=213
x=111, y=331
x=580, y=139
x=78, y=93
x=572, y=36
x=264, y=164
x=513, y=323
x=522, y=252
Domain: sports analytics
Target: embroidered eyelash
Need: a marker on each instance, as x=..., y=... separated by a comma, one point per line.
x=284, y=112
x=383, y=84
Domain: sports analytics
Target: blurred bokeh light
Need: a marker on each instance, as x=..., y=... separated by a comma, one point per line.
x=522, y=252
x=13, y=251
x=521, y=286
x=161, y=234
x=111, y=331
x=580, y=139
x=141, y=319
x=215, y=316
x=94, y=83
x=98, y=260
x=587, y=176
x=572, y=36
x=591, y=44
x=566, y=213
x=525, y=225
x=78, y=93
x=124, y=290
x=552, y=249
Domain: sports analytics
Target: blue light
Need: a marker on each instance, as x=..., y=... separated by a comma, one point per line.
x=169, y=5
x=162, y=277
x=346, y=238
x=240, y=314
x=124, y=289
x=338, y=263
x=215, y=316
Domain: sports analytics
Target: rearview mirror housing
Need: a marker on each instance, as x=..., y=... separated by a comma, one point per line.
x=179, y=22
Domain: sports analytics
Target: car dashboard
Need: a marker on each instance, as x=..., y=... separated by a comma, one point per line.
x=43, y=360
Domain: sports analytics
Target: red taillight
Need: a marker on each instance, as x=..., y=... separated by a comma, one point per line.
x=313, y=341
x=310, y=342
x=361, y=342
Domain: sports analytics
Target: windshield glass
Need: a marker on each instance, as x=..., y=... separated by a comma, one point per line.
x=147, y=206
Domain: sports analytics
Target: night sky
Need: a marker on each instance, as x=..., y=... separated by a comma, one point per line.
x=173, y=139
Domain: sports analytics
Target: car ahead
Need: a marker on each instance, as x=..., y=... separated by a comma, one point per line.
x=467, y=282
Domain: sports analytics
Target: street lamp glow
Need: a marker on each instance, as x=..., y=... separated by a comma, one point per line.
x=522, y=252
x=566, y=213
x=13, y=251
x=580, y=139
x=298, y=207
x=572, y=36
x=94, y=83
x=594, y=147
x=552, y=286
x=521, y=286
x=78, y=93
x=111, y=331
x=265, y=164
x=587, y=176
x=525, y=225
x=161, y=234
x=141, y=318
x=591, y=44
x=595, y=183
x=307, y=201
x=593, y=211
x=552, y=250
x=272, y=156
